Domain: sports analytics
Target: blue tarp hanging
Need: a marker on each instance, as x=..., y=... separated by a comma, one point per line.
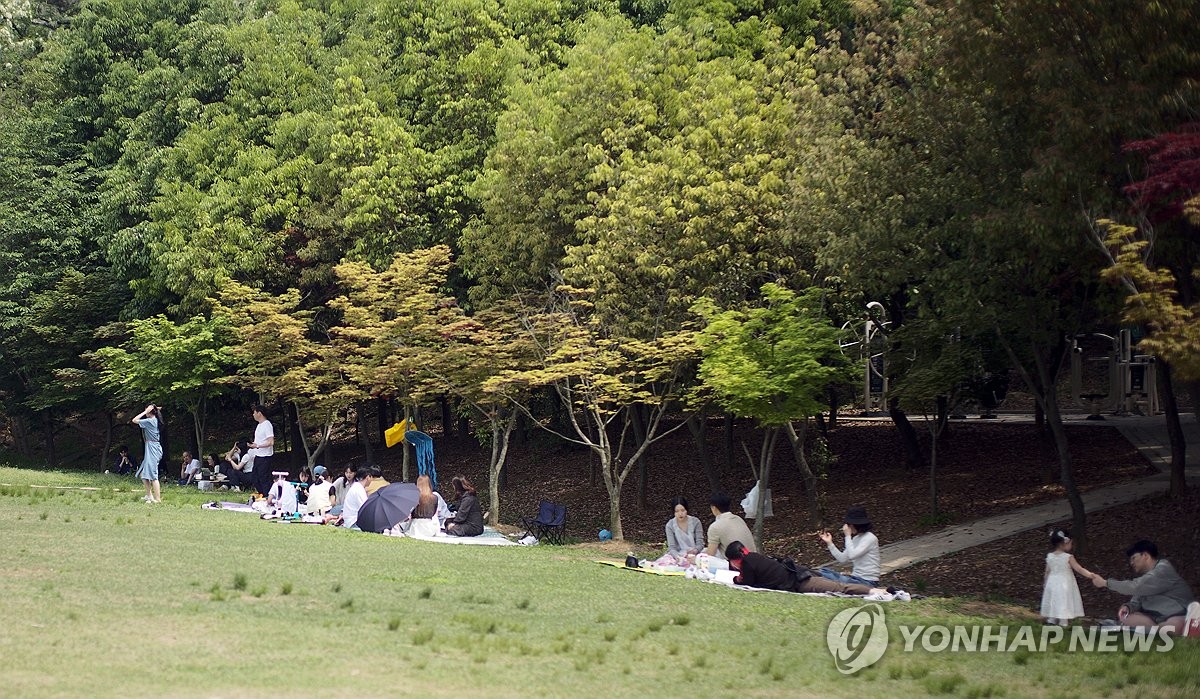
x=423, y=444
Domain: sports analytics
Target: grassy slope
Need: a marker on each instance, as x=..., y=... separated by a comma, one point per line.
x=103, y=595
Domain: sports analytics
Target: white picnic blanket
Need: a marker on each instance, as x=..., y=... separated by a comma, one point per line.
x=230, y=507
x=489, y=537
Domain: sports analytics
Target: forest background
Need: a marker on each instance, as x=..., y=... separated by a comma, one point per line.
x=606, y=219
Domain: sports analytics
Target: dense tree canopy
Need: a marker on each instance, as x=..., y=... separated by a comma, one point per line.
x=386, y=200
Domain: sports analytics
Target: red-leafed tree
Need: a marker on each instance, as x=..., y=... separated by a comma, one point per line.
x=1156, y=261
x=1171, y=188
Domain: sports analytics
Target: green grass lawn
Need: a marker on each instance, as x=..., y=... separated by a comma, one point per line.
x=103, y=595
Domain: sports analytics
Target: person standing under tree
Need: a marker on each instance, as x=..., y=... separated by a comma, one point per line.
x=150, y=420
x=262, y=448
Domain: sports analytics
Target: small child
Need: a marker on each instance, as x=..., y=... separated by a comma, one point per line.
x=1060, y=596
x=282, y=498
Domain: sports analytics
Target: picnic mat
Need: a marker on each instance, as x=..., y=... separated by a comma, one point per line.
x=725, y=578
x=652, y=571
x=489, y=537
x=230, y=507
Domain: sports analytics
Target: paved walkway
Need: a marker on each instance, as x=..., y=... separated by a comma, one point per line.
x=1147, y=434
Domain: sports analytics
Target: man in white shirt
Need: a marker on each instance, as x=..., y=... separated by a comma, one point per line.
x=189, y=469
x=356, y=495
x=262, y=449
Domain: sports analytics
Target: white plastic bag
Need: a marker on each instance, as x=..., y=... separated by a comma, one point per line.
x=750, y=504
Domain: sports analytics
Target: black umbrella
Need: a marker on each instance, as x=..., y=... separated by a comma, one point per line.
x=387, y=507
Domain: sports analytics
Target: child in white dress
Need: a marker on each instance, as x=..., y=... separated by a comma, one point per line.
x=1060, y=596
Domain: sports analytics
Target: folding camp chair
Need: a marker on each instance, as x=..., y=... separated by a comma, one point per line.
x=550, y=525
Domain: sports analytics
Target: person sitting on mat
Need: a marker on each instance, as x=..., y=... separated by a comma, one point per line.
x=282, y=495
x=468, y=518
x=862, y=550
x=424, y=519
x=322, y=495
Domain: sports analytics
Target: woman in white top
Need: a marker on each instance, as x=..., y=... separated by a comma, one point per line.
x=240, y=469
x=862, y=550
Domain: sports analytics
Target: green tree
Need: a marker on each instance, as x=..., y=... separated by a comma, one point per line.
x=284, y=355
x=169, y=364
x=474, y=350
x=600, y=378
x=936, y=370
x=773, y=363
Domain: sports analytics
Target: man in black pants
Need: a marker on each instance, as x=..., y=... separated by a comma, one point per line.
x=263, y=449
x=757, y=570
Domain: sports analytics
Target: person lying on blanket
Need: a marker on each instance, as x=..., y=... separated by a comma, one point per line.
x=757, y=570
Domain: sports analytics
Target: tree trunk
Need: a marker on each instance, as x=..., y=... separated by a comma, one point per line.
x=614, y=514
x=501, y=432
x=819, y=418
x=1049, y=400
x=285, y=439
x=383, y=417
x=48, y=436
x=816, y=508
x=108, y=434
x=1039, y=417
x=637, y=415
x=20, y=433
x=913, y=458
x=406, y=446
x=764, y=475
x=1174, y=430
x=698, y=426
x=934, y=511
x=198, y=428
x=164, y=441
x=447, y=417
x=363, y=433
x=834, y=406
x=943, y=417
x=727, y=444
x=296, y=431
x=312, y=453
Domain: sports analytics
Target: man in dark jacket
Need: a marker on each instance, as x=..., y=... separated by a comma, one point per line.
x=757, y=570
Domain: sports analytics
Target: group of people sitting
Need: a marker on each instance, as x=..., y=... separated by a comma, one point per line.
x=338, y=502
x=731, y=546
x=1159, y=597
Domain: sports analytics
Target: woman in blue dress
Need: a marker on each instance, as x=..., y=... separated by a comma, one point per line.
x=150, y=420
